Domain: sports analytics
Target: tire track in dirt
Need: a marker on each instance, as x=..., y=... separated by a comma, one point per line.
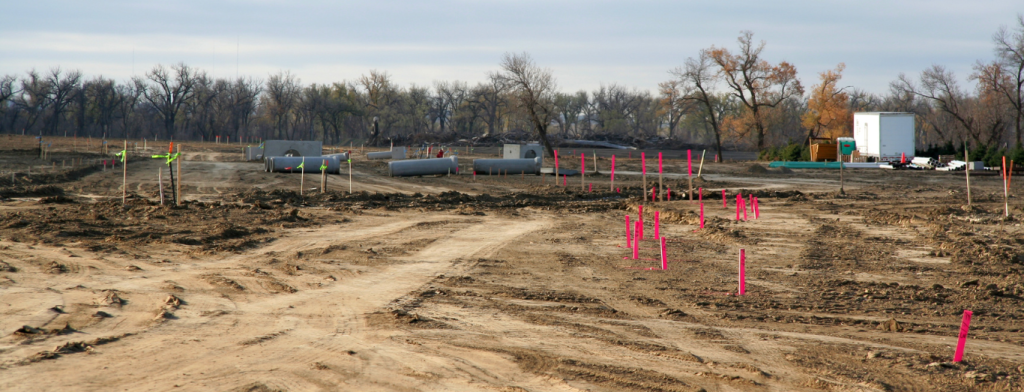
x=178, y=352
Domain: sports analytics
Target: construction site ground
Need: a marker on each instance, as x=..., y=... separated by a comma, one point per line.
x=498, y=283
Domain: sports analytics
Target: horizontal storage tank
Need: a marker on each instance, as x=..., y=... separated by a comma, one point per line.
x=423, y=167
x=510, y=166
x=290, y=164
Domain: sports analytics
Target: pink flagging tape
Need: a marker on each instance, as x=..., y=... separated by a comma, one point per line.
x=725, y=203
x=659, y=163
x=556, y=164
x=583, y=164
x=640, y=213
x=629, y=241
x=702, y=215
x=700, y=194
x=664, y=255
x=591, y=187
x=654, y=191
x=668, y=194
x=962, y=340
x=637, y=232
x=689, y=164
x=743, y=271
x=565, y=180
x=656, y=228
x=744, y=202
x=643, y=162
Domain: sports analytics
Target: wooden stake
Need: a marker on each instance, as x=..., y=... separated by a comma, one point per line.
x=302, y=179
x=967, y=169
x=124, y=169
x=160, y=183
x=701, y=167
x=177, y=189
x=350, y=175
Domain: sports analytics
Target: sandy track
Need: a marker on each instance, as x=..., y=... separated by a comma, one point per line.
x=221, y=341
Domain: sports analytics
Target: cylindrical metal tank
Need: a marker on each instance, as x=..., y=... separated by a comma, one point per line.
x=290, y=164
x=423, y=167
x=510, y=166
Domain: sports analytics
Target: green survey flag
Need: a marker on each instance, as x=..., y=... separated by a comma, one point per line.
x=323, y=166
x=122, y=154
x=301, y=166
x=170, y=157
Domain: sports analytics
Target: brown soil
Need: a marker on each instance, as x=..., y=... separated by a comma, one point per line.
x=504, y=283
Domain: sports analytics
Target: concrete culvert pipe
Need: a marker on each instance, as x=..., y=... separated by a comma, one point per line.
x=423, y=167
x=340, y=156
x=290, y=164
x=379, y=155
x=510, y=166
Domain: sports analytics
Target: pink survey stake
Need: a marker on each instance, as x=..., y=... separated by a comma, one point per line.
x=689, y=164
x=962, y=340
x=702, y=215
x=743, y=271
x=738, y=201
x=643, y=162
x=613, y=168
x=757, y=211
x=659, y=163
x=556, y=164
x=629, y=242
x=664, y=255
x=657, y=233
x=637, y=232
x=640, y=213
x=583, y=164
x=725, y=203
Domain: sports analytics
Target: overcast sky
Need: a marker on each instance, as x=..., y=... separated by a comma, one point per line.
x=585, y=43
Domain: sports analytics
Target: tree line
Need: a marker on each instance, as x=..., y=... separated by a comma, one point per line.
x=722, y=97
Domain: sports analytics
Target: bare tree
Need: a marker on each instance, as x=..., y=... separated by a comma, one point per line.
x=381, y=96
x=129, y=95
x=491, y=99
x=534, y=90
x=673, y=103
x=698, y=80
x=939, y=86
x=569, y=107
x=281, y=98
x=170, y=91
x=33, y=99
x=7, y=91
x=1010, y=54
x=62, y=90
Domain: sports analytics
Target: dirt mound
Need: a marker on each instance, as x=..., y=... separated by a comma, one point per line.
x=757, y=169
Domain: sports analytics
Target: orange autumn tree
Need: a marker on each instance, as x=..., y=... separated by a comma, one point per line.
x=756, y=83
x=828, y=110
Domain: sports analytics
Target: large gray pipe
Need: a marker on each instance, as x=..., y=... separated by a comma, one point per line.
x=342, y=156
x=510, y=166
x=396, y=153
x=290, y=164
x=423, y=167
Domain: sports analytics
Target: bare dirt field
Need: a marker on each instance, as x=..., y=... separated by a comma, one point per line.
x=498, y=283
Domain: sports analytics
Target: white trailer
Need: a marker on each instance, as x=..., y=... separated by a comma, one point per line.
x=884, y=135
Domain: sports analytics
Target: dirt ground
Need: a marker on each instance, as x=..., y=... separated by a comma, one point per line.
x=498, y=283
